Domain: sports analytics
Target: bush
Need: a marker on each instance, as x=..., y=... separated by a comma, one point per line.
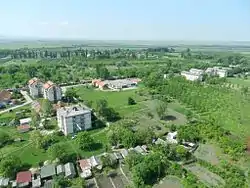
x=131, y=101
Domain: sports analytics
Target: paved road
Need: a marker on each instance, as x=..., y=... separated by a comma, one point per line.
x=28, y=101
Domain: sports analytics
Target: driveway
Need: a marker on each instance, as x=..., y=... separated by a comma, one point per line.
x=28, y=101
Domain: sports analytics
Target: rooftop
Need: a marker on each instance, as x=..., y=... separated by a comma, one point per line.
x=48, y=170
x=48, y=84
x=33, y=80
x=84, y=164
x=69, y=169
x=72, y=111
x=23, y=177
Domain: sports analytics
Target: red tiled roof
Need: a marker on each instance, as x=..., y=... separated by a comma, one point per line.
x=33, y=80
x=23, y=177
x=48, y=84
x=84, y=164
x=5, y=95
x=25, y=126
x=101, y=84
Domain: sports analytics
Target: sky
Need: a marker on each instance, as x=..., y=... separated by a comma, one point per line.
x=192, y=20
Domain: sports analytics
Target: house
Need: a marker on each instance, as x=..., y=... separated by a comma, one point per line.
x=94, y=161
x=124, y=153
x=145, y=148
x=139, y=149
x=193, y=74
x=52, y=92
x=36, y=182
x=4, y=182
x=5, y=96
x=70, y=171
x=118, y=156
x=217, y=71
x=73, y=119
x=160, y=141
x=23, y=179
x=25, y=121
x=60, y=169
x=48, y=171
x=35, y=87
x=85, y=168
x=23, y=128
x=171, y=137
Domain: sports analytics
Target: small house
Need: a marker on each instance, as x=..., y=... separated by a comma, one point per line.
x=138, y=149
x=48, y=171
x=25, y=121
x=70, y=171
x=4, y=182
x=124, y=153
x=94, y=161
x=118, y=156
x=60, y=169
x=23, y=128
x=85, y=168
x=23, y=179
x=36, y=182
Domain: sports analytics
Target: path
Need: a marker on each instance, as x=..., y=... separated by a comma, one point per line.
x=120, y=166
x=28, y=101
x=112, y=182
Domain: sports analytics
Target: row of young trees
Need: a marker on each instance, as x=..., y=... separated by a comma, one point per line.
x=221, y=109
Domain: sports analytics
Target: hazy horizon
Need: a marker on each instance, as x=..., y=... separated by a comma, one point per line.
x=140, y=20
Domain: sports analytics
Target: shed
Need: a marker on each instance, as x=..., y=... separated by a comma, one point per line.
x=138, y=149
x=94, y=161
x=60, y=169
x=23, y=128
x=118, y=156
x=36, y=182
x=25, y=121
x=124, y=153
x=4, y=182
x=70, y=171
x=48, y=171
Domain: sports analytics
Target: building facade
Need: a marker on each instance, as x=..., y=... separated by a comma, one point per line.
x=35, y=87
x=73, y=119
x=192, y=76
x=217, y=71
x=52, y=92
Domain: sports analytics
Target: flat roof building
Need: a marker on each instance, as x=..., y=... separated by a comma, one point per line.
x=73, y=119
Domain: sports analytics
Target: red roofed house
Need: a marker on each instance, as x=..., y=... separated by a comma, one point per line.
x=85, y=166
x=52, y=92
x=23, y=128
x=100, y=84
x=35, y=87
x=23, y=179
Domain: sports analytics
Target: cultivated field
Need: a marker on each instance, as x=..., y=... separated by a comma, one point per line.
x=205, y=175
x=169, y=182
x=208, y=153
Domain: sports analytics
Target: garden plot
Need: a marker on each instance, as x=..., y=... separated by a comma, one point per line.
x=169, y=182
x=205, y=175
x=103, y=181
x=207, y=152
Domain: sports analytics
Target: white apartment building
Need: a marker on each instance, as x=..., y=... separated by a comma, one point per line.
x=193, y=74
x=52, y=92
x=216, y=71
x=73, y=119
x=35, y=87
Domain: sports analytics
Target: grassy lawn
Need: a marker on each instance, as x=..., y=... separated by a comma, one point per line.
x=240, y=81
x=8, y=116
x=116, y=100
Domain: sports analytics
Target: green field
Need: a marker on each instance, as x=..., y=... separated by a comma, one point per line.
x=240, y=81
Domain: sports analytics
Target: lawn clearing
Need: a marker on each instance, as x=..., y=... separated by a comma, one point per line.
x=240, y=81
x=169, y=182
x=208, y=152
x=116, y=100
x=205, y=175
